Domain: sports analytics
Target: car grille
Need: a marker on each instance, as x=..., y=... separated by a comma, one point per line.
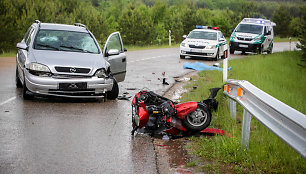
x=65, y=76
x=72, y=70
x=194, y=46
x=242, y=38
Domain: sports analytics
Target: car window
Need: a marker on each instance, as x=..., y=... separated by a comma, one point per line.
x=114, y=42
x=65, y=41
x=202, y=35
x=249, y=28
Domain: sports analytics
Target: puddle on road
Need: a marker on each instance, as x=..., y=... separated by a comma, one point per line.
x=172, y=157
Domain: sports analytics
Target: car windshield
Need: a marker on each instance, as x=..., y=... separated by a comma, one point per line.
x=249, y=28
x=65, y=41
x=202, y=35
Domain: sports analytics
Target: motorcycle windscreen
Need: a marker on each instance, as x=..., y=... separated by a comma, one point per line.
x=114, y=53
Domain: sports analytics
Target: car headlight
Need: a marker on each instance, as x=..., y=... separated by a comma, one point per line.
x=183, y=44
x=211, y=47
x=39, y=69
x=101, y=73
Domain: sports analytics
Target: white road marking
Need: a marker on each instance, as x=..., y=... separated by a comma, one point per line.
x=149, y=58
x=7, y=101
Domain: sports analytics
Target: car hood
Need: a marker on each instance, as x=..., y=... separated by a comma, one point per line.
x=70, y=59
x=200, y=42
x=246, y=35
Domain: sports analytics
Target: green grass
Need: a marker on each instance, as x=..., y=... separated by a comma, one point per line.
x=9, y=54
x=285, y=39
x=280, y=76
x=149, y=47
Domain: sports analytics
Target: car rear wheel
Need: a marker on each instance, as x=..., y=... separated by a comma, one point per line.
x=113, y=94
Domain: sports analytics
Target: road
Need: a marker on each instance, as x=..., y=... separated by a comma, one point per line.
x=48, y=135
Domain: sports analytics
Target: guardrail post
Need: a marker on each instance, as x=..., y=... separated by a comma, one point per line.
x=225, y=70
x=245, y=133
x=232, y=105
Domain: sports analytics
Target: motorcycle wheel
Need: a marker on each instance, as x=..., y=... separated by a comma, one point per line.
x=198, y=119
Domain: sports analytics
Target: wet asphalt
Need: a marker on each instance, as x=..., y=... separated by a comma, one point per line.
x=59, y=135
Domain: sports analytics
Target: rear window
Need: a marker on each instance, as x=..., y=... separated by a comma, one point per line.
x=65, y=41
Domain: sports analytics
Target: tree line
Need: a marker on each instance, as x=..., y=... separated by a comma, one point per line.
x=145, y=22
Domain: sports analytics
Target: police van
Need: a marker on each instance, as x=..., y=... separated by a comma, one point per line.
x=253, y=35
x=204, y=41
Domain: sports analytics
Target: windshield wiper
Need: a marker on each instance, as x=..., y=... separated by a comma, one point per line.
x=48, y=46
x=71, y=47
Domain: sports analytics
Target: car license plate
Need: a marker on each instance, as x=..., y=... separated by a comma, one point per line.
x=196, y=50
x=243, y=46
x=73, y=86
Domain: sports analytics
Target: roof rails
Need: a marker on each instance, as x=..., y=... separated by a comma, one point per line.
x=37, y=22
x=257, y=20
x=81, y=25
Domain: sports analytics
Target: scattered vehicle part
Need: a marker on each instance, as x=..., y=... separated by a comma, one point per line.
x=156, y=114
x=253, y=35
x=67, y=61
x=204, y=41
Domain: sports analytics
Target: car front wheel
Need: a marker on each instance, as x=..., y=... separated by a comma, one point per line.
x=25, y=92
x=113, y=94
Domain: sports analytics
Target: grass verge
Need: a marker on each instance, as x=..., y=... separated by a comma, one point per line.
x=281, y=76
x=9, y=54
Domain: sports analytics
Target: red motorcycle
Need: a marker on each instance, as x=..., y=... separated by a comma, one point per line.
x=155, y=114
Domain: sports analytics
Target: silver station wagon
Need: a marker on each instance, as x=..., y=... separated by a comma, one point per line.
x=66, y=61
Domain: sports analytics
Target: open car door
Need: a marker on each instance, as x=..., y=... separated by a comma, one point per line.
x=114, y=53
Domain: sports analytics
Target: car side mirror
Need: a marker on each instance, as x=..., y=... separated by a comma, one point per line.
x=269, y=32
x=113, y=52
x=22, y=45
x=124, y=49
x=221, y=39
x=184, y=36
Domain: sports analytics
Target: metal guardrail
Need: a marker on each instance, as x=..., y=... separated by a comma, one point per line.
x=284, y=121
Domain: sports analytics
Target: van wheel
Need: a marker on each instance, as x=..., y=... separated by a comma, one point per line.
x=113, y=94
x=270, y=50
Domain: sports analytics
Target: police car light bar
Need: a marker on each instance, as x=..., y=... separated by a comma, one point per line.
x=206, y=27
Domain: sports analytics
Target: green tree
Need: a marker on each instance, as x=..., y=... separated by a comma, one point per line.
x=282, y=19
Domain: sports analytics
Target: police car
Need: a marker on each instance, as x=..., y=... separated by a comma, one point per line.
x=204, y=41
x=253, y=35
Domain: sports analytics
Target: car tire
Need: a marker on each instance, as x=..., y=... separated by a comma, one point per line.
x=198, y=119
x=270, y=50
x=217, y=56
x=232, y=51
x=25, y=92
x=182, y=57
x=113, y=94
x=17, y=80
